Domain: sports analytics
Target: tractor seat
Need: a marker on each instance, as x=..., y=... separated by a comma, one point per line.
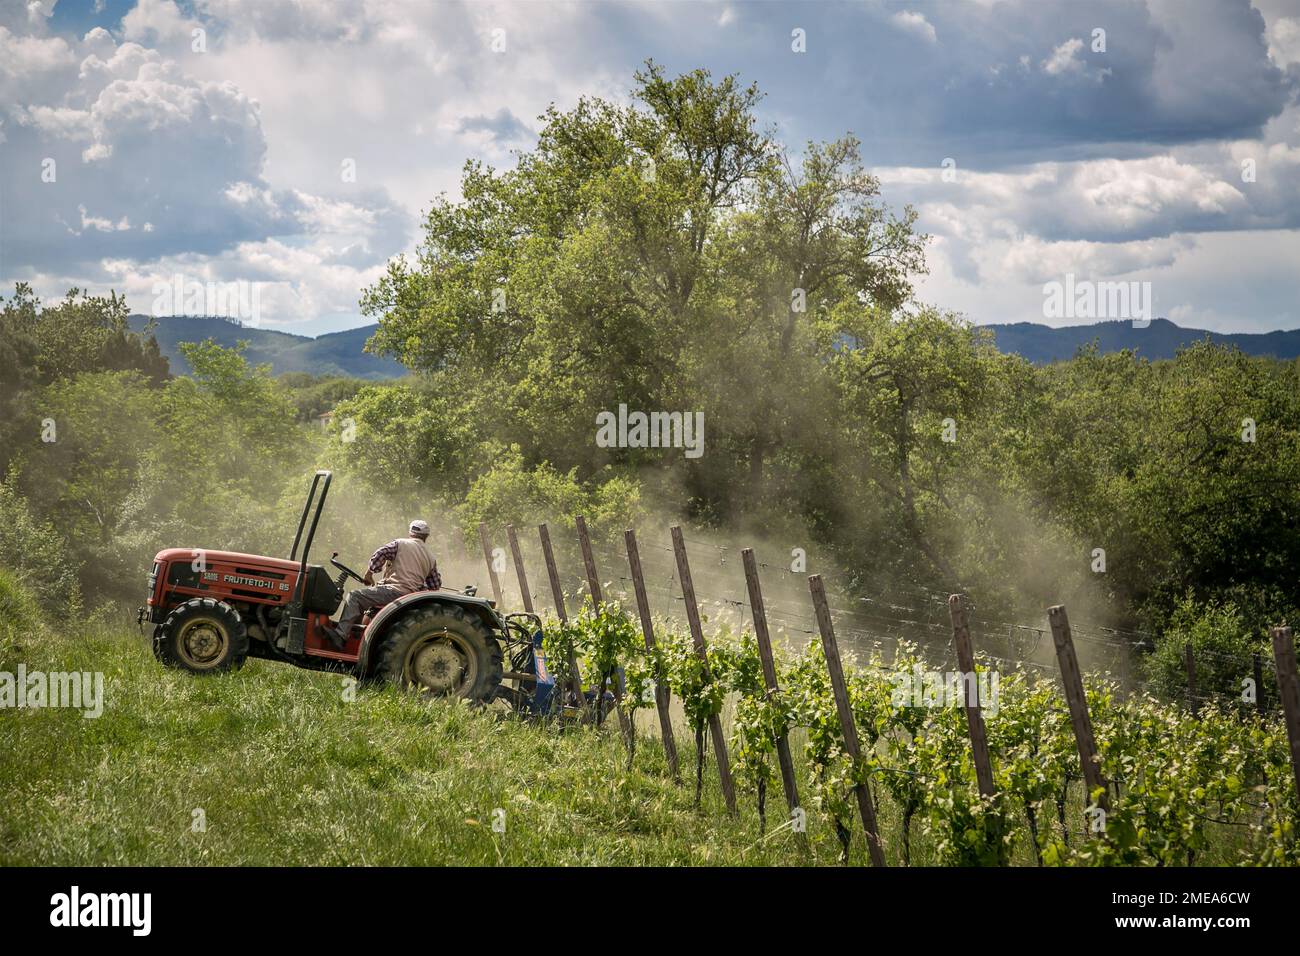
x=320, y=593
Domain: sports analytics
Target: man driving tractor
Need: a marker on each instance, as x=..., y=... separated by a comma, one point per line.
x=410, y=567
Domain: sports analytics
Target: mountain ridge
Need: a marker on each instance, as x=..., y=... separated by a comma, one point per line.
x=332, y=353
x=342, y=353
x=1042, y=344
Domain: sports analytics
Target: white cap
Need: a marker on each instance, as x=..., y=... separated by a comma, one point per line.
x=419, y=527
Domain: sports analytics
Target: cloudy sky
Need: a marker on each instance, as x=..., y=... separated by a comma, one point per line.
x=134, y=149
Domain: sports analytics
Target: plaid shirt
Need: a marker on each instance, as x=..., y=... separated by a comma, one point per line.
x=389, y=551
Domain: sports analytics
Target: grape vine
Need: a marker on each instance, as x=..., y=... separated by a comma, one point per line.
x=1175, y=782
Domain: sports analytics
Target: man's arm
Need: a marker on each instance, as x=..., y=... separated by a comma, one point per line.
x=379, y=559
x=434, y=581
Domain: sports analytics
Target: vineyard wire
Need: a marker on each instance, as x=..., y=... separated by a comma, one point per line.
x=880, y=629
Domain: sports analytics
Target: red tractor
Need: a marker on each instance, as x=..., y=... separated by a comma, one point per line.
x=209, y=610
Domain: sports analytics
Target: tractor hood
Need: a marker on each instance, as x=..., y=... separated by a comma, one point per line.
x=253, y=562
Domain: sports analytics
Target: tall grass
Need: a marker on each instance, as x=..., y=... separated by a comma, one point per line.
x=286, y=770
x=291, y=767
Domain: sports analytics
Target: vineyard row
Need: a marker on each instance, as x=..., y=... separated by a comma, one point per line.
x=1153, y=775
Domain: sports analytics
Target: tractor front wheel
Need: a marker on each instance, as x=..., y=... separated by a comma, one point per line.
x=202, y=636
x=441, y=651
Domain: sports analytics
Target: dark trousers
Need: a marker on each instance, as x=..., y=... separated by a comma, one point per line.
x=362, y=600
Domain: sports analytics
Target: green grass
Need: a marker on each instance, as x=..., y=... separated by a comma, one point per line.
x=289, y=772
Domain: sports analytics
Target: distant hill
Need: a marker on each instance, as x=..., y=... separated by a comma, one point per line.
x=338, y=353
x=1041, y=344
x=341, y=353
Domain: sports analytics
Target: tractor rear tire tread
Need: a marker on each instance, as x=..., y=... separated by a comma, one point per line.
x=391, y=665
x=236, y=653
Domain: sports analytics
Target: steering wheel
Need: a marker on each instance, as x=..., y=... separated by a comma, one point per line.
x=345, y=569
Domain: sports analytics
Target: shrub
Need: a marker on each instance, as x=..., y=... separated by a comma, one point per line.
x=1222, y=641
x=511, y=493
x=20, y=616
x=34, y=554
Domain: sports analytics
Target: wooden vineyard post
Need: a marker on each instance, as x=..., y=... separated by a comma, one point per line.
x=1189, y=663
x=1089, y=761
x=589, y=562
x=552, y=572
x=519, y=568
x=788, y=781
x=663, y=697
x=1288, y=687
x=598, y=598
x=701, y=649
x=557, y=592
x=487, y=556
x=850, y=730
x=979, y=744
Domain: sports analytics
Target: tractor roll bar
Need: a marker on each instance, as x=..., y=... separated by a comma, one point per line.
x=311, y=532
x=302, y=522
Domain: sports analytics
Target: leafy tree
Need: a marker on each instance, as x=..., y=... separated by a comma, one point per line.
x=647, y=255
x=511, y=493
x=1223, y=641
x=402, y=434
x=82, y=333
x=33, y=552
x=314, y=395
x=19, y=346
x=43, y=345
x=106, y=422
x=20, y=614
x=815, y=239
x=1185, y=473
x=906, y=389
x=226, y=466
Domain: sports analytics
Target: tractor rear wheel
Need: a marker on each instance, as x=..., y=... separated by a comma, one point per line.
x=441, y=651
x=202, y=636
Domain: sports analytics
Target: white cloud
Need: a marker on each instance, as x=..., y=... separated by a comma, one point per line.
x=999, y=236
x=59, y=122
x=38, y=10
x=96, y=152
x=1032, y=260
x=100, y=224
x=1140, y=191
x=1065, y=58
x=914, y=23
x=138, y=139
x=297, y=284
x=157, y=21
x=1224, y=282
x=1284, y=40
x=349, y=21
x=1108, y=200
x=25, y=61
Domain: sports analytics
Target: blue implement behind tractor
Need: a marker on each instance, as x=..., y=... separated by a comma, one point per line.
x=527, y=685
